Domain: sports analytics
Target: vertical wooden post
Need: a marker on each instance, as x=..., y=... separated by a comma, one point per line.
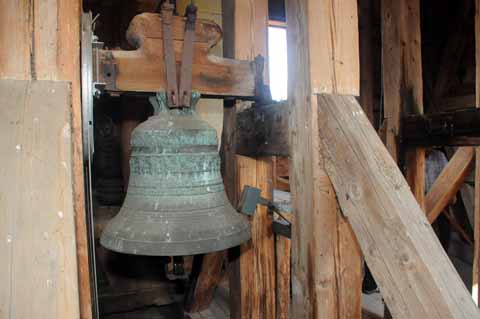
x=257, y=258
x=367, y=58
x=403, y=82
x=245, y=28
x=204, y=280
x=283, y=250
x=476, y=261
x=283, y=245
x=326, y=261
x=39, y=45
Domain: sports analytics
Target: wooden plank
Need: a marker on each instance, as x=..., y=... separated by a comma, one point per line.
x=247, y=176
x=143, y=70
x=263, y=130
x=334, y=46
x=251, y=26
x=15, y=27
x=414, y=273
x=206, y=274
x=415, y=161
x=67, y=66
x=257, y=259
x=476, y=226
x=456, y=102
x=401, y=66
x=281, y=174
x=47, y=47
x=39, y=250
x=403, y=82
x=283, y=249
x=245, y=26
x=448, y=183
x=443, y=128
x=326, y=261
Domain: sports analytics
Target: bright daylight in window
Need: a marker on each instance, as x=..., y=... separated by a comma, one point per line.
x=277, y=52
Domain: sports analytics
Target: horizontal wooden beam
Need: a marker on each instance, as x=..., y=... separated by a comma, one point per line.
x=263, y=130
x=449, y=182
x=461, y=128
x=456, y=102
x=416, y=277
x=143, y=69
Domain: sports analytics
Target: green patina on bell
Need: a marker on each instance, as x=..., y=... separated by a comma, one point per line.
x=176, y=203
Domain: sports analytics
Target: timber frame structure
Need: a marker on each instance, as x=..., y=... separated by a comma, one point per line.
x=373, y=92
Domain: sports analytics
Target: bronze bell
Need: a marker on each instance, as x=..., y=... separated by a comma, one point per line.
x=176, y=203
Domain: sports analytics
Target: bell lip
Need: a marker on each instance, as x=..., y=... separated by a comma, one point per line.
x=130, y=247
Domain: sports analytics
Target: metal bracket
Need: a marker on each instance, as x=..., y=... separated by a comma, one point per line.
x=185, y=88
x=169, y=52
x=179, y=95
x=282, y=228
x=251, y=197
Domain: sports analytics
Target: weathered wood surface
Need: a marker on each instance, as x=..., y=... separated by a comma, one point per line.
x=263, y=130
x=334, y=46
x=207, y=272
x=37, y=223
x=143, y=70
x=245, y=25
x=461, y=127
x=41, y=40
x=283, y=248
x=402, y=66
x=281, y=171
x=415, y=275
x=257, y=258
x=449, y=182
x=403, y=83
x=452, y=103
x=326, y=261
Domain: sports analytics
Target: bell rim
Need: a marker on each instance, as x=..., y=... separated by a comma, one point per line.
x=204, y=246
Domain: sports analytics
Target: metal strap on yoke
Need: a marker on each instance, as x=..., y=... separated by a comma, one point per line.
x=184, y=99
x=187, y=56
x=169, y=53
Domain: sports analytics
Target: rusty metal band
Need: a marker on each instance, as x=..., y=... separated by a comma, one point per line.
x=169, y=53
x=187, y=57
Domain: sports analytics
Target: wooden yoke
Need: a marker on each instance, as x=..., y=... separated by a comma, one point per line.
x=143, y=69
